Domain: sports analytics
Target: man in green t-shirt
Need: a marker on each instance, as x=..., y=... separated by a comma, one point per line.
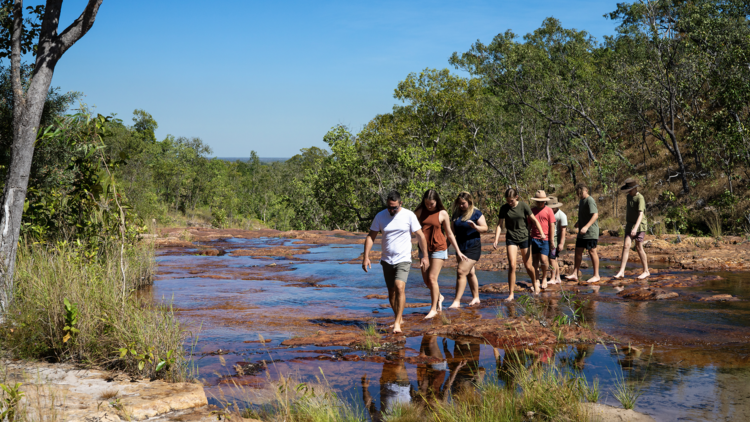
x=588, y=233
x=635, y=227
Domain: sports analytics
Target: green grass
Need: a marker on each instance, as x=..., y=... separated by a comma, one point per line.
x=546, y=391
x=372, y=336
x=70, y=306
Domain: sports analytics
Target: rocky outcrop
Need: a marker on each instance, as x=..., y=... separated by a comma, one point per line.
x=93, y=395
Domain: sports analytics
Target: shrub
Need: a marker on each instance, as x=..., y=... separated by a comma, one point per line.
x=69, y=306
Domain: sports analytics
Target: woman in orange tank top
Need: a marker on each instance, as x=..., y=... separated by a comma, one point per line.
x=435, y=220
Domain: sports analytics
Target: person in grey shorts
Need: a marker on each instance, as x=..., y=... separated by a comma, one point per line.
x=397, y=225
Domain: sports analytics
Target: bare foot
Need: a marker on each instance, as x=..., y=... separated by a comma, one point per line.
x=571, y=277
x=509, y=298
x=397, y=329
x=431, y=314
x=455, y=305
x=537, y=291
x=474, y=302
x=645, y=274
x=440, y=303
x=544, y=284
x=619, y=276
x=593, y=279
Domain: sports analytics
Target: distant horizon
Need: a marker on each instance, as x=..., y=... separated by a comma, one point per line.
x=262, y=159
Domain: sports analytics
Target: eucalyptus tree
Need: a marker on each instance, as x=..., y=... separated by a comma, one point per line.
x=720, y=30
x=555, y=75
x=28, y=105
x=662, y=73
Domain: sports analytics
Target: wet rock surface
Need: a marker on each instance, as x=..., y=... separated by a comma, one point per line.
x=238, y=294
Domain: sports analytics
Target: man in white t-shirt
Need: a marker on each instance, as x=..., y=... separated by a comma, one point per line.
x=558, y=245
x=397, y=225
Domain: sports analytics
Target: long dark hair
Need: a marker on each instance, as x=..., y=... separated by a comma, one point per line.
x=432, y=195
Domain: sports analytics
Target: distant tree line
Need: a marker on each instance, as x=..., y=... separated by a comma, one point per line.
x=672, y=86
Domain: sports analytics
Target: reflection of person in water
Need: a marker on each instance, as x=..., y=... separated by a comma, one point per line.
x=430, y=377
x=395, y=388
x=464, y=365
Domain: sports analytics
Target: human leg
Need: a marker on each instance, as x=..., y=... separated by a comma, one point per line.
x=399, y=304
x=544, y=264
x=555, y=270
x=527, y=262
x=576, y=265
x=535, y=259
x=625, y=254
x=595, y=262
x=473, y=283
x=512, y=253
x=462, y=271
x=644, y=259
x=432, y=283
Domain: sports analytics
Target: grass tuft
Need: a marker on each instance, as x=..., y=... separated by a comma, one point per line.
x=372, y=336
x=70, y=306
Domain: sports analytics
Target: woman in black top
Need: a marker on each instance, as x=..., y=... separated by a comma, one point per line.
x=514, y=215
x=468, y=224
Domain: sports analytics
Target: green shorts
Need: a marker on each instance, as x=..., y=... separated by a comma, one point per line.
x=395, y=272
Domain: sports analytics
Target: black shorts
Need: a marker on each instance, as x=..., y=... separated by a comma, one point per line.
x=586, y=243
x=521, y=245
x=473, y=252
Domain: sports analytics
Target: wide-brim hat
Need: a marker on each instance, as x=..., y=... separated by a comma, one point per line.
x=540, y=196
x=629, y=184
x=552, y=203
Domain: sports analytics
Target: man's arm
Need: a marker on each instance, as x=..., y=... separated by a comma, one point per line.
x=425, y=262
x=561, y=240
x=369, y=240
x=538, y=226
x=594, y=217
x=637, y=224
x=551, y=231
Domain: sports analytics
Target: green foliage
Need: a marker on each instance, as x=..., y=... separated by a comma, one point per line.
x=677, y=217
x=71, y=320
x=72, y=307
x=12, y=398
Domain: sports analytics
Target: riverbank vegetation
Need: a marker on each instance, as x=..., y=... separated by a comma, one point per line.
x=665, y=100
x=543, y=392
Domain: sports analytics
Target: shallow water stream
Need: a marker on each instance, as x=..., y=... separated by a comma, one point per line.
x=699, y=368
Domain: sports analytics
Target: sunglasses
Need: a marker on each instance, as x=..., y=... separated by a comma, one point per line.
x=394, y=208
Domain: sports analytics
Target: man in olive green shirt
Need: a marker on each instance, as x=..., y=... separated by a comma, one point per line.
x=588, y=233
x=635, y=229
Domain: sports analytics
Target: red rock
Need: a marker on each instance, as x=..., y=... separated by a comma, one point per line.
x=720, y=298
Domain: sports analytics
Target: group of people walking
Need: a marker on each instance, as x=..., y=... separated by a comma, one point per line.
x=537, y=233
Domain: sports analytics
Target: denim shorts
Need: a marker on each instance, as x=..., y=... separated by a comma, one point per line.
x=435, y=255
x=539, y=247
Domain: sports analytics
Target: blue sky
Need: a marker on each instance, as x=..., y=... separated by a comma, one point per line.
x=274, y=77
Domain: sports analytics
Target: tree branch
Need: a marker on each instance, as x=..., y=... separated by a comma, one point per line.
x=15, y=58
x=80, y=26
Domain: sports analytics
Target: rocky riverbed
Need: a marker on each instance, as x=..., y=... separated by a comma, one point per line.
x=268, y=304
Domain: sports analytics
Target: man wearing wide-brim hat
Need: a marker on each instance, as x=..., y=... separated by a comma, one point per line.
x=635, y=228
x=540, y=242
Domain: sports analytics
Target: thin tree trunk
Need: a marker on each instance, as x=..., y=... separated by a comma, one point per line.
x=27, y=113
